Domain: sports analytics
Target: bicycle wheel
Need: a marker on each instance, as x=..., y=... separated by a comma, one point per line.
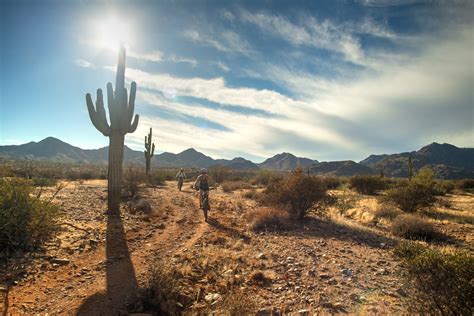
x=205, y=206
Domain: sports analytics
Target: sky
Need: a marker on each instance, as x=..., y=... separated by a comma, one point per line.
x=327, y=80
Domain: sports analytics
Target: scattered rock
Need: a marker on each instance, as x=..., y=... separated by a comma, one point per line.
x=303, y=312
x=212, y=298
x=261, y=256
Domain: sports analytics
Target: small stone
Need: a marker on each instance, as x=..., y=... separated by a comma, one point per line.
x=266, y=311
x=346, y=272
x=303, y=312
x=261, y=256
x=324, y=276
x=60, y=261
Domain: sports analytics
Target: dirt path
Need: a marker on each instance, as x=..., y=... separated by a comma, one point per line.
x=99, y=281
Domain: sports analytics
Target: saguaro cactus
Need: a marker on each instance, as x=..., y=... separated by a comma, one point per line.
x=410, y=168
x=149, y=151
x=121, y=118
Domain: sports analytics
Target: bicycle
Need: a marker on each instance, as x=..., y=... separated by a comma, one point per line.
x=205, y=203
x=180, y=183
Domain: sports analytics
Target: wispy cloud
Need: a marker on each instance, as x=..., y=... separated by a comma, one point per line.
x=225, y=41
x=83, y=63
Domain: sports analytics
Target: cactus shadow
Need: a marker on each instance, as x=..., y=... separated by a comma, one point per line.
x=120, y=274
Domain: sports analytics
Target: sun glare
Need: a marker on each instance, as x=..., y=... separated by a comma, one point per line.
x=112, y=32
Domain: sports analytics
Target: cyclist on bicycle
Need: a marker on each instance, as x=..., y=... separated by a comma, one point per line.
x=202, y=183
x=180, y=176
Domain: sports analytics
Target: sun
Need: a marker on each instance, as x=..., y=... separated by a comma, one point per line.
x=112, y=32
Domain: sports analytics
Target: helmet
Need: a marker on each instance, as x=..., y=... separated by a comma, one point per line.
x=203, y=170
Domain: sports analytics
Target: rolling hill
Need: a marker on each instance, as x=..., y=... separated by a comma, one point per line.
x=447, y=161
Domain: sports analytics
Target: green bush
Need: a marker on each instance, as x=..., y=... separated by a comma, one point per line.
x=443, y=187
x=367, y=184
x=297, y=193
x=26, y=222
x=411, y=197
x=413, y=227
x=437, y=283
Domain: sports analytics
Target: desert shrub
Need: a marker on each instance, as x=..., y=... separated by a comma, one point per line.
x=229, y=186
x=425, y=177
x=161, y=293
x=220, y=173
x=142, y=206
x=266, y=177
x=443, y=187
x=26, y=222
x=366, y=184
x=269, y=219
x=413, y=227
x=132, y=179
x=156, y=178
x=437, y=282
x=411, y=197
x=252, y=194
x=465, y=184
x=297, y=193
x=387, y=213
x=237, y=302
x=331, y=183
x=43, y=182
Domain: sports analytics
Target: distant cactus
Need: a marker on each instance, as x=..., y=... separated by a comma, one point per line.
x=410, y=168
x=149, y=151
x=121, y=122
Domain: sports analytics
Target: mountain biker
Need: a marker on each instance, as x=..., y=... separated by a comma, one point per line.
x=180, y=176
x=202, y=183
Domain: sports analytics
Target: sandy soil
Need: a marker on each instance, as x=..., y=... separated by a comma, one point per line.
x=98, y=262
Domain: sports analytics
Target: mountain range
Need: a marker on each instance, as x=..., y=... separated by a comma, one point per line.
x=446, y=160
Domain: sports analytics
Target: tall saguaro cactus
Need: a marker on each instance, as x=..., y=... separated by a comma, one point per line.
x=121, y=108
x=149, y=151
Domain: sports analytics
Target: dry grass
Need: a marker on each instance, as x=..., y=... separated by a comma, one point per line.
x=229, y=186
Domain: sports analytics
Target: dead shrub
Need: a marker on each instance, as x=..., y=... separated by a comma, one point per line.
x=386, y=212
x=414, y=227
x=259, y=278
x=229, y=186
x=161, y=294
x=143, y=206
x=368, y=185
x=133, y=178
x=236, y=303
x=269, y=219
x=437, y=282
x=297, y=193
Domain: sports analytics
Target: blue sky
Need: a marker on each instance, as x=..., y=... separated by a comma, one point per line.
x=328, y=80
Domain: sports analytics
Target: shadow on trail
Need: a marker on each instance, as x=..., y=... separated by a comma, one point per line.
x=326, y=228
x=120, y=274
x=230, y=231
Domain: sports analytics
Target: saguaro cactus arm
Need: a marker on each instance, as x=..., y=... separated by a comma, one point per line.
x=97, y=113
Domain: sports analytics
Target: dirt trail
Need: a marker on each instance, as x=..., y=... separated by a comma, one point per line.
x=99, y=281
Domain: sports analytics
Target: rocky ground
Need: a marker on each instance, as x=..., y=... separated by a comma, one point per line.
x=98, y=263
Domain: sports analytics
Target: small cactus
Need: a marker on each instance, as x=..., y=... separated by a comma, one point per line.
x=121, y=108
x=149, y=151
